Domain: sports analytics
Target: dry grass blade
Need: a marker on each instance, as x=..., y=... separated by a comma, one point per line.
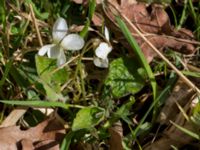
x=36, y=26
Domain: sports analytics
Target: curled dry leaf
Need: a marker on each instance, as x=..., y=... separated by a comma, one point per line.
x=173, y=136
x=154, y=23
x=46, y=134
x=182, y=95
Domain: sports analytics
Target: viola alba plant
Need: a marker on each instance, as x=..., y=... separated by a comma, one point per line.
x=102, y=51
x=61, y=41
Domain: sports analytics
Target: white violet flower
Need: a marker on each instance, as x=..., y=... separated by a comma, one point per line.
x=102, y=51
x=61, y=40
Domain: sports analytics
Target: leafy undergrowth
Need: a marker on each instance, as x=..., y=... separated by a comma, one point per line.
x=91, y=74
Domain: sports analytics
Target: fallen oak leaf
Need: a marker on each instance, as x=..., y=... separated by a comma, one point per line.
x=152, y=21
x=26, y=144
x=50, y=129
x=159, y=41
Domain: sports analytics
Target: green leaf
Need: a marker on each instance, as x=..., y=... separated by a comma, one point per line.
x=87, y=118
x=31, y=94
x=51, y=79
x=67, y=141
x=53, y=95
x=124, y=111
x=45, y=69
x=124, y=77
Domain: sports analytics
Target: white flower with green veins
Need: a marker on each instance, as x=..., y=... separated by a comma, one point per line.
x=61, y=41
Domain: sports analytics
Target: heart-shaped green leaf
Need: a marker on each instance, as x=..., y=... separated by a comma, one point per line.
x=87, y=118
x=125, y=76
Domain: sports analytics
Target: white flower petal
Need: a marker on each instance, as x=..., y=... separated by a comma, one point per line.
x=61, y=58
x=102, y=63
x=54, y=51
x=103, y=50
x=73, y=42
x=59, y=30
x=106, y=32
x=42, y=51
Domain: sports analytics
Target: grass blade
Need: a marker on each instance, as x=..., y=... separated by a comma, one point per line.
x=3, y=13
x=92, y=6
x=186, y=131
x=138, y=53
x=7, y=69
x=67, y=141
x=39, y=103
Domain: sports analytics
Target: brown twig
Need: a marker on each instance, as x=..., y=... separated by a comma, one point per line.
x=36, y=25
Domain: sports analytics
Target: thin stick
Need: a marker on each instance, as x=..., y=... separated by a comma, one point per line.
x=65, y=64
x=183, y=77
x=36, y=25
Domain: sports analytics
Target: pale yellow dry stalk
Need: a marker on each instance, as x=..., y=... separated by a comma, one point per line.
x=36, y=25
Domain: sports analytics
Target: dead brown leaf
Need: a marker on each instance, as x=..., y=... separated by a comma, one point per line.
x=27, y=144
x=182, y=95
x=47, y=134
x=97, y=19
x=154, y=23
x=116, y=135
